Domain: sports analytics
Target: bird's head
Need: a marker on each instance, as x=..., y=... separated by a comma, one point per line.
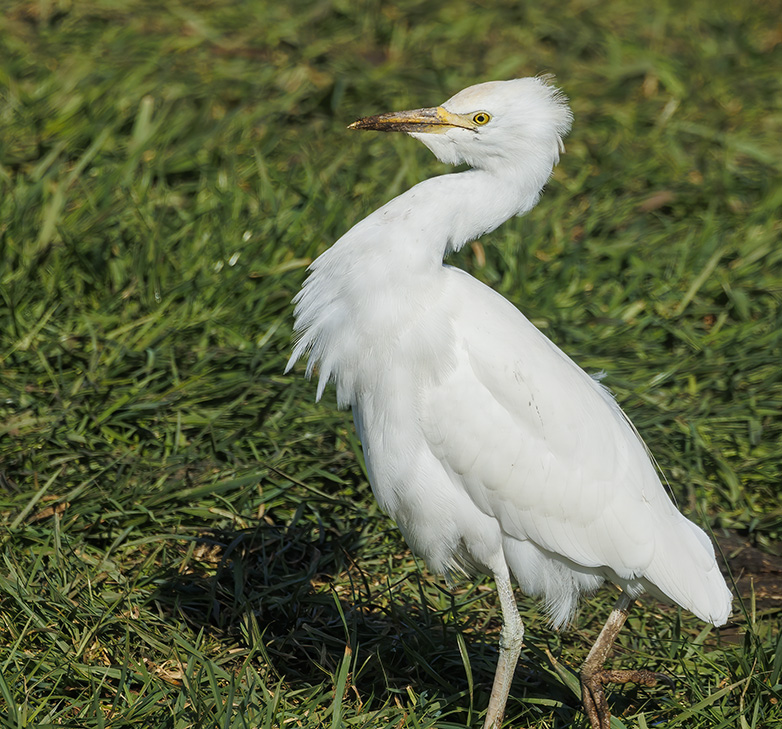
x=495, y=125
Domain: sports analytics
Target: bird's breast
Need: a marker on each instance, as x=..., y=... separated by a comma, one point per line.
x=386, y=335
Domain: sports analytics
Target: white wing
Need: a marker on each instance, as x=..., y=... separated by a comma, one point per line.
x=543, y=448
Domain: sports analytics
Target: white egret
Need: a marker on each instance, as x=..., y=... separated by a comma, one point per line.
x=490, y=448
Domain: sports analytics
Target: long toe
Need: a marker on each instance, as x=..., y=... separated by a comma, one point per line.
x=642, y=677
x=594, y=700
x=593, y=694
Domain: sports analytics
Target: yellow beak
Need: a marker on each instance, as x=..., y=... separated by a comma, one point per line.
x=433, y=120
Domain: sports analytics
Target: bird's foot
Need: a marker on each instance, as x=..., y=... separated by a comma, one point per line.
x=593, y=695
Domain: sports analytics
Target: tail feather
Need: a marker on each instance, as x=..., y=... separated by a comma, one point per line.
x=685, y=570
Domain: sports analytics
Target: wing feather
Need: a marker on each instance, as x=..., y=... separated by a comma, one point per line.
x=537, y=444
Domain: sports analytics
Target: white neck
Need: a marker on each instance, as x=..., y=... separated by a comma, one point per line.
x=378, y=272
x=442, y=214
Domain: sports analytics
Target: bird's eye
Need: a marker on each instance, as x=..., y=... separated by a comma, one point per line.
x=481, y=118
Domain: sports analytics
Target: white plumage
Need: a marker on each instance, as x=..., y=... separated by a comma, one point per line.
x=487, y=445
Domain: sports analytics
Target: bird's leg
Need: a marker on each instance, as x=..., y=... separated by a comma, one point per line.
x=593, y=676
x=511, y=638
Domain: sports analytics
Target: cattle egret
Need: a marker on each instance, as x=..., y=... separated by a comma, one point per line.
x=490, y=448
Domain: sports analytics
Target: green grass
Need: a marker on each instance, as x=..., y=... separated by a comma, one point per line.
x=188, y=540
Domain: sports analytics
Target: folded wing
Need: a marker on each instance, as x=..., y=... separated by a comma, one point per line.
x=544, y=449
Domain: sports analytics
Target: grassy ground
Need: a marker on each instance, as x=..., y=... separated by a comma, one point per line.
x=187, y=539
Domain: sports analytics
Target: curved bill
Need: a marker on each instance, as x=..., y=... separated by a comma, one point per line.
x=435, y=119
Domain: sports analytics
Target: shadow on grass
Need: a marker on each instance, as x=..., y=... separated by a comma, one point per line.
x=284, y=579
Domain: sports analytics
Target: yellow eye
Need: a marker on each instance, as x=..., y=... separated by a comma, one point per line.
x=481, y=118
